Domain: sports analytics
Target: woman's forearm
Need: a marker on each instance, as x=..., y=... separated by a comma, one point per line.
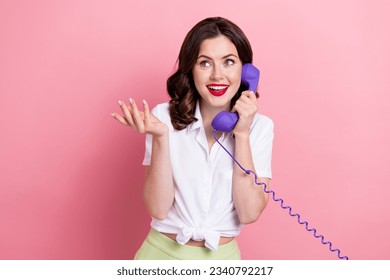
x=249, y=198
x=158, y=188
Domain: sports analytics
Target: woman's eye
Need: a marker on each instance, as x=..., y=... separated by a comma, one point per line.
x=229, y=62
x=205, y=63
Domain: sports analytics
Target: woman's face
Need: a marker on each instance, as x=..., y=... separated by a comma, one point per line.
x=217, y=73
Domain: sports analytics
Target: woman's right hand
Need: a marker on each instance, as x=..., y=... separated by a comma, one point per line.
x=143, y=122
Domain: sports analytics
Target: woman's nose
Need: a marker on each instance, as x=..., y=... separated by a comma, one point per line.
x=216, y=74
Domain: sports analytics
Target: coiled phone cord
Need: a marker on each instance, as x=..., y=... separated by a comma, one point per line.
x=247, y=171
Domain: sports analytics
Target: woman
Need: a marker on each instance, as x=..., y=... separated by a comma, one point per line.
x=197, y=197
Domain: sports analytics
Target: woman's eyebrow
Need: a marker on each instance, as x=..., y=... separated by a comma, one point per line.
x=226, y=56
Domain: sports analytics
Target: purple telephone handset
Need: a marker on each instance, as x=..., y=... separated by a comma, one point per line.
x=225, y=121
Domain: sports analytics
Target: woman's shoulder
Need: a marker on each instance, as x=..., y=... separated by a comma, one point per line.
x=263, y=120
x=162, y=106
x=161, y=109
x=262, y=127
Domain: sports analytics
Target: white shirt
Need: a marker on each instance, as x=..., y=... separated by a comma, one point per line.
x=203, y=206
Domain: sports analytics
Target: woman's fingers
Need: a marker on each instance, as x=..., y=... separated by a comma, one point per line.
x=119, y=118
x=246, y=107
x=127, y=113
x=132, y=116
x=138, y=120
x=146, y=114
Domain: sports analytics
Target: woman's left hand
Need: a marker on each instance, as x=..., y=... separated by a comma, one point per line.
x=246, y=107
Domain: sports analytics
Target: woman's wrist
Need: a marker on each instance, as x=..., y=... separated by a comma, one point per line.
x=241, y=136
x=161, y=133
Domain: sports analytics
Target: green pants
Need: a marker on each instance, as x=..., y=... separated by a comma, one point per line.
x=157, y=246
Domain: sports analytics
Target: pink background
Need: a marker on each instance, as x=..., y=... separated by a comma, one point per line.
x=71, y=177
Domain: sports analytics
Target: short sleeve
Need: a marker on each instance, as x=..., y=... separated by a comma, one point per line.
x=148, y=149
x=262, y=135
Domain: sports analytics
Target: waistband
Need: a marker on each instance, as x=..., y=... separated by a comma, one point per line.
x=183, y=252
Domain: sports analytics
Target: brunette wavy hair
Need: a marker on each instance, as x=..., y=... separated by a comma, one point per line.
x=181, y=86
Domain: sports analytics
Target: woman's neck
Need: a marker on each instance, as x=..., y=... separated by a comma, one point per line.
x=208, y=113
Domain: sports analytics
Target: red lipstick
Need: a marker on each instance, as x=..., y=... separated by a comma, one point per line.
x=217, y=89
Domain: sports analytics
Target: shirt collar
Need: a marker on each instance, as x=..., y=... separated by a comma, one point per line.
x=197, y=124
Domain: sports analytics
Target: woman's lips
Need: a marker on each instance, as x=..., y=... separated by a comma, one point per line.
x=217, y=89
